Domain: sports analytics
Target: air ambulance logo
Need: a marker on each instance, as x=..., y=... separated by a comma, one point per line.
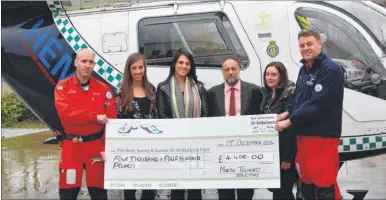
x=151, y=129
x=272, y=49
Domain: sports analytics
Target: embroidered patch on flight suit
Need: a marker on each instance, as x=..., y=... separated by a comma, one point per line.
x=311, y=81
x=109, y=95
x=318, y=88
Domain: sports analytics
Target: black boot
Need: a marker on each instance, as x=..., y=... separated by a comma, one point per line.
x=325, y=192
x=97, y=193
x=129, y=194
x=177, y=194
x=308, y=191
x=70, y=193
x=148, y=194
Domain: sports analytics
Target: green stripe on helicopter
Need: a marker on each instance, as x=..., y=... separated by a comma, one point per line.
x=75, y=40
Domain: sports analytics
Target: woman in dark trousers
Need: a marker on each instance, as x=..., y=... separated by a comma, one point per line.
x=136, y=100
x=181, y=95
x=277, y=95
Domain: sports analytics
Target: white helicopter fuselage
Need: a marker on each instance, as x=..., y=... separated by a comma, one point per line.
x=259, y=32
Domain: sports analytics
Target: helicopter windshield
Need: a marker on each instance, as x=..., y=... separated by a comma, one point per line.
x=363, y=69
x=373, y=19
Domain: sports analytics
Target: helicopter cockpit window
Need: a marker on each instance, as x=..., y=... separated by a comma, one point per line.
x=371, y=18
x=160, y=38
x=362, y=68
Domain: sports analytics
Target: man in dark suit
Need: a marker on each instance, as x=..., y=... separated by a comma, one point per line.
x=233, y=98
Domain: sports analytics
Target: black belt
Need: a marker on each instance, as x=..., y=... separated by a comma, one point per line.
x=85, y=138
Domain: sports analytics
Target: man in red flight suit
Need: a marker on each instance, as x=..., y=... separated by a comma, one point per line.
x=84, y=104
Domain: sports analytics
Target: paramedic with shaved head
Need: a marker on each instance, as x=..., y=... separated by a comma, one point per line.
x=316, y=119
x=84, y=105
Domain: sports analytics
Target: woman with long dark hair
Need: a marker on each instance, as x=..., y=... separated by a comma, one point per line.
x=277, y=96
x=181, y=95
x=136, y=100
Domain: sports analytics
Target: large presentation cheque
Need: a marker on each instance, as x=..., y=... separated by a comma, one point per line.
x=219, y=152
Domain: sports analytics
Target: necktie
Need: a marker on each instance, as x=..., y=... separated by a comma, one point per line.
x=232, y=103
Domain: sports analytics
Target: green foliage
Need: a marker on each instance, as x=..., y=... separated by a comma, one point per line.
x=14, y=110
x=27, y=124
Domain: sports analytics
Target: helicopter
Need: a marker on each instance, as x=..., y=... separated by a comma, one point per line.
x=40, y=40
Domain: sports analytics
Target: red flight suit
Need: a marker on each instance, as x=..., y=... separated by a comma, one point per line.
x=78, y=110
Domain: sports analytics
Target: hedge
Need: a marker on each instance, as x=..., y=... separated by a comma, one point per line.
x=14, y=110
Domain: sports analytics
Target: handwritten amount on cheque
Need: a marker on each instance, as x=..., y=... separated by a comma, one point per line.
x=128, y=157
x=166, y=158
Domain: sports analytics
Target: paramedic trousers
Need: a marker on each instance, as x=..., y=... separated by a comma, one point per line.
x=76, y=158
x=317, y=162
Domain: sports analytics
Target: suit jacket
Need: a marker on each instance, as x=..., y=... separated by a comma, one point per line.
x=250, y=95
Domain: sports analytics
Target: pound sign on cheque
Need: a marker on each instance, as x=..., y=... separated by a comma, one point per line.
x=220, y=159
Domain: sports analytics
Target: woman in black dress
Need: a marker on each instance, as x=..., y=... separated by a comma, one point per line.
x=136, y=100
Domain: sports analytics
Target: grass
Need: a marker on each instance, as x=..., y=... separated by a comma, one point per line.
x=27, y=124
x=29, y=141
